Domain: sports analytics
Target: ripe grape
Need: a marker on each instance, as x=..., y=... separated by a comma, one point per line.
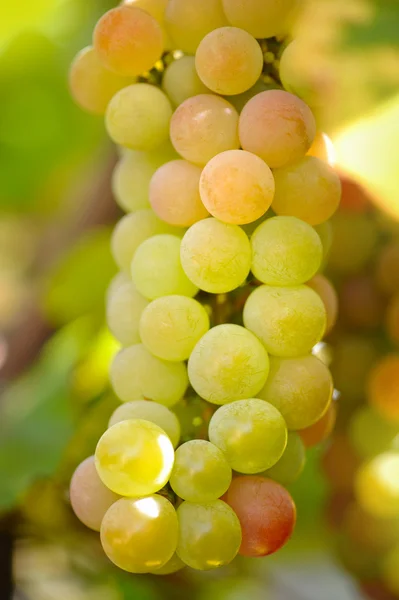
x=324, y=288
x=300, y=388
x=128, y=40
x=383, y=386
x=90, y=498
x=290, y=466
x=377, y=485
x=209, y=535
x=131, y=231
x=236, y=187
x=181, y=81
x=308, y=189
x=229, y=61
x=370, y=434
x=138, y=117
x=172, y=566
x=204, y=126
x=119, y=280
x=157, y=270
x=278, y=127
x=174, y=193
x=285, y=251
x=262, y=18
x=201, y=473
x=156, y=8
x=91, y=85
x=289, y=321
x=251, y=433
x=266, y=512
x=171, y=326
x=320, y=431
x=149, y=411
x=136, y=374
x=216, y=256
x=139, y=535
x=134, y=458
x=387, y=268
x=228, y=363
x=124, y=308
x=188, y=22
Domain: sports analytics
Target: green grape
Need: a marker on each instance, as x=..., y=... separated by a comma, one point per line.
x=136, y=374
x=132, y=175
x=370, y=434
x=229, y=61
x=285, y=251
x=237, y=187
x=309, y=189
x=119, y=280
x=216, y=256
x=131, y=231
x=171, y=326
x=134, y=458
x=181, y=81
x=204, y=126
x=377, y=485
x=90, y=498
x=200, y=473
x=354, y=241
x=172, y=566
x=300, y=388
x=240, y=100
x=139, y=535
x=138, y=117
x=149, y=411
x=325, y=233
x=188, y=22
x=290, y=466
x=288, y=320
x=124, y=309
x=262, y=18
x=228, y=363
x=209, y=535
x=251, y=433
x=174, y=193
x=297, y=77
x=157, y=270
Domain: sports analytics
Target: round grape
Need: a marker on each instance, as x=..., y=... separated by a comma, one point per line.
x=124, y=309
x=320, y=431
x=181, y=81
x=262, y=18
x=290, y=466
x=172, y=566
x=324, y=288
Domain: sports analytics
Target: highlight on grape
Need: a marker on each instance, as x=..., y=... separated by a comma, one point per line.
x=220, y=302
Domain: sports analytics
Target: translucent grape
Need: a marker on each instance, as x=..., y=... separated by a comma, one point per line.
x=360, y=302
x=383, y=386
x=181, y=81
x=119, y=280
x=139, y=535
x=308, y=189
x=387, y=268
x=171, y=326
x=157, y=270
x=266, y=512
x=91, y=85
x=149, y=411
x=124, y=309
x=209, y=535
x=322, y=286
x=200, y=473
x=131, y=231
x=138, y=117
x=290, y=466
x=216, y=256
x=134, y=458
x=188, y=22
x=320, y=431
x=370, y=434
x=251, y=433
x=204, y=126
x=277, y=126
x=172, y=566
x=262, y=18
x=136, y=374
x=229, y=61
x=289, y=321
x=90, y=498
x=228, y=363
x=132, y=175
x=300, y=388
x=377, y=485
x=285, y=251
x=353, y=243
x=128, y=40
x=237, y=187
x=156, y=8
x=174, y=193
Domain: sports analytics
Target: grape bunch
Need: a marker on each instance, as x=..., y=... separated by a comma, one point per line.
x=219, y=301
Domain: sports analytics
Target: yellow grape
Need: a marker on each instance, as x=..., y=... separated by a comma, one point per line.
x=323, y=286
x=172, y=566
x=377, y=485
x=181, y=81
x=262, y=18
x=124, y=309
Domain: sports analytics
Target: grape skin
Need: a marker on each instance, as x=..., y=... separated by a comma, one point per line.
x=290, y=466
x=124, y=309
x=320, y=431
x=324, y=288
x=181, y=81
x=261, y=18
